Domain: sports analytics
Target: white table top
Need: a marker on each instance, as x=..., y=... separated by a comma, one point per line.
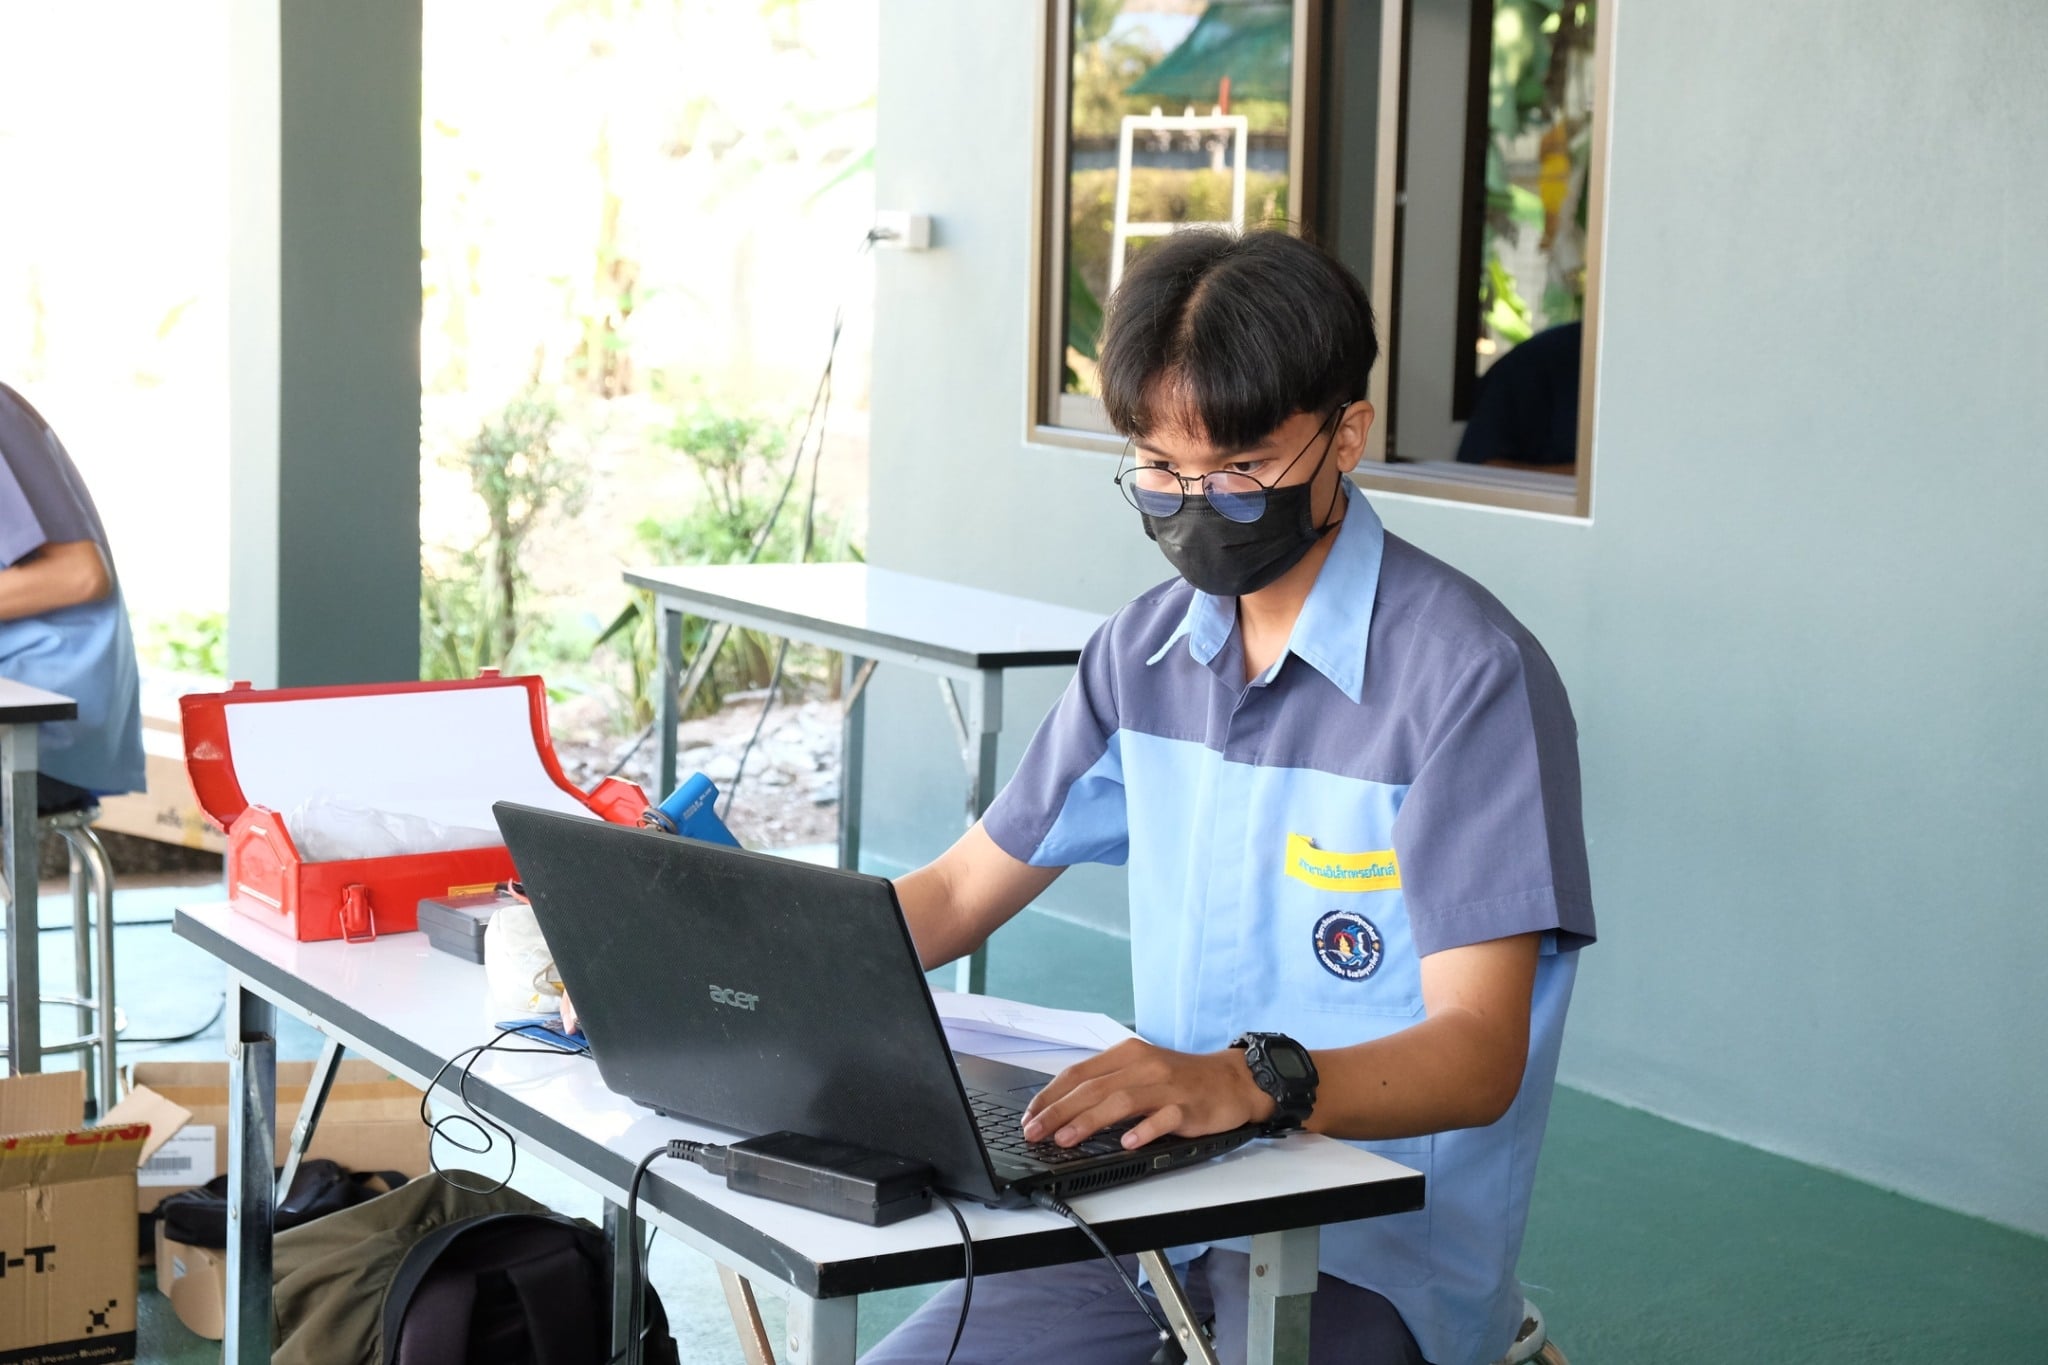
x=20, y=703
x=411, y=1006
x=848, y=606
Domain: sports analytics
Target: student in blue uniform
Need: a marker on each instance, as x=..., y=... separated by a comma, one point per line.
x=1345, y=782
x=63, y=626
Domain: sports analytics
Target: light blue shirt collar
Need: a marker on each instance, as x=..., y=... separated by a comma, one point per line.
x=1330, y=634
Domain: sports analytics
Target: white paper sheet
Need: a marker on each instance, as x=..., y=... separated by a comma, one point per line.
x=442, y=755
x=1031, y=1053
x=1016, y=1021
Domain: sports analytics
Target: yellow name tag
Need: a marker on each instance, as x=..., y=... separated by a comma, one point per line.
x=1327, y=871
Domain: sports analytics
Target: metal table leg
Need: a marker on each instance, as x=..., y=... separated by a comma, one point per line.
x=984, y=725
x=977, y=728
x=21, y=858
x=755, y=1348
x=81, y=976
x=852, y=738
x=252, y=1150
x=1194, y=1343
x=618, y=1239
x=309, y=1113
x=1283, y=1277
x=821, y=1331
x=669, y=630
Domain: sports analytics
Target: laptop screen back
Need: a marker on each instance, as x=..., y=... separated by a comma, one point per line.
x=751, y=992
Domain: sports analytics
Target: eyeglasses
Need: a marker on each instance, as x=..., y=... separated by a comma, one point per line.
x=1160, y=492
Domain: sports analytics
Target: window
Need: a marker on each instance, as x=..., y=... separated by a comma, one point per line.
x=1449, y=151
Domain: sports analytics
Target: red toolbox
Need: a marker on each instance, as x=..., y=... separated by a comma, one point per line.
x=438, y=751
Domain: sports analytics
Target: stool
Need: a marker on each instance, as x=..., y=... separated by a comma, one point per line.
x=99, y=1023
x=1533, y=1341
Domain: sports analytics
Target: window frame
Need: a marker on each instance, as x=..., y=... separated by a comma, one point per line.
x=1056, y=418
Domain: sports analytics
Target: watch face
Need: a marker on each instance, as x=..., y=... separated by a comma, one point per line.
x=1287, y=1062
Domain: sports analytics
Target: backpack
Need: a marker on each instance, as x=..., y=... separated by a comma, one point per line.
x=435, y=1273
x=510, y=1289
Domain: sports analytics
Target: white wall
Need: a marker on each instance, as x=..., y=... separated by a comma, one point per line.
x=1806, y=632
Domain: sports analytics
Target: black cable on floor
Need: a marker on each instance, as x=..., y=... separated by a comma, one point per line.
x=118, y=924
x=131, y=1040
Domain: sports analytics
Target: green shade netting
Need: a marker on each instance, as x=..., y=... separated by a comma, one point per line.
x=1250, y=41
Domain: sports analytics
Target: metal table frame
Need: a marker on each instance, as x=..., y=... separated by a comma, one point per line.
x=821, y=1292
x=22, y=709
x=970, y=685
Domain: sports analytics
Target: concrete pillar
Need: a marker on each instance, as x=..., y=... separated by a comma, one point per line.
x=324, y=322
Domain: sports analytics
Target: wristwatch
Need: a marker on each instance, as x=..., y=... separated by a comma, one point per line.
x=1282, y=1068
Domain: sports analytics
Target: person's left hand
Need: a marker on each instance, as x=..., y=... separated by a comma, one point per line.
x=1188, y=1094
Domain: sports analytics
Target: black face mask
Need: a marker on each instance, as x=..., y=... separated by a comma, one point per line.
x=1226, y=558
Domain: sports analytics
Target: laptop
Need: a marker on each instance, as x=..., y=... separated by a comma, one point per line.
x=762, y=994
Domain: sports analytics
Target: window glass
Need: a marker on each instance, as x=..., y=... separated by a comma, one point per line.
x=1177, y=112
x=1525, y=269
x=1446, y=150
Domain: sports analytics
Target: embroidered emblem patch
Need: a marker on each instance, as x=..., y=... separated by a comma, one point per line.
x=1348, y=945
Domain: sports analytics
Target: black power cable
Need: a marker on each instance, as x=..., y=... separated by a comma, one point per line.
x=635, y=1272
x=714, y=1158
x=158, y=1039
x=967, y=1280
x=1051, y=1203
x=479, y=1123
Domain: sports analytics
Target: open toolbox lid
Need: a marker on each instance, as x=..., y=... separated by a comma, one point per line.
x=443, y=751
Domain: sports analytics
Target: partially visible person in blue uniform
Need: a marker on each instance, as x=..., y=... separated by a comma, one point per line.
x=63, y=625
x=1345, y=782
x=1526, y=415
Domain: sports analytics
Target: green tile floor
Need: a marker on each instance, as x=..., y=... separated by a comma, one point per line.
x=1648, y=1242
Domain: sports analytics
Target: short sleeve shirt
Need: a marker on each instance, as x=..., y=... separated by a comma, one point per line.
x=1403, y=780
x=86, y=651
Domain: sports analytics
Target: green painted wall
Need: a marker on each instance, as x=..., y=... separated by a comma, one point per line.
x=1806, y=629
x=324, y=309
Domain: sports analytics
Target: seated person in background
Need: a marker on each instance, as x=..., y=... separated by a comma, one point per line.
x=1345, y=781
x=1527, y=412
x=63, y=626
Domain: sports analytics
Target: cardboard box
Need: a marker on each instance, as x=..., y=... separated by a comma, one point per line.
x=67, y=1193
x=371, y=1123
x=195, y=1280
x=166, y=811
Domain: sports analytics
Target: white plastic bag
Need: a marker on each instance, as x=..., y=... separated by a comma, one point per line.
x=519, y=971
x=329, y=828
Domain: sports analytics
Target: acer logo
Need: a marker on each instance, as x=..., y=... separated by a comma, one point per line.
x=739, y=1000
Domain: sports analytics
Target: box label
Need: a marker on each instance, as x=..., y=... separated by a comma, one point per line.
x=110, y=1348
x=186, y=1160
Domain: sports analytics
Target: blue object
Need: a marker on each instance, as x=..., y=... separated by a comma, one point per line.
x=546, y=1028
x=692, y=811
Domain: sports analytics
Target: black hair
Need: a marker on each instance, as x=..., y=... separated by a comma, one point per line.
x=1250, y=329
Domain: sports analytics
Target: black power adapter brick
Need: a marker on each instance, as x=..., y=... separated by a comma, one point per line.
x=836, y=1178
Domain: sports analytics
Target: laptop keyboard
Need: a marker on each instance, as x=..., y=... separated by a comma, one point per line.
x=1002, y=1131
